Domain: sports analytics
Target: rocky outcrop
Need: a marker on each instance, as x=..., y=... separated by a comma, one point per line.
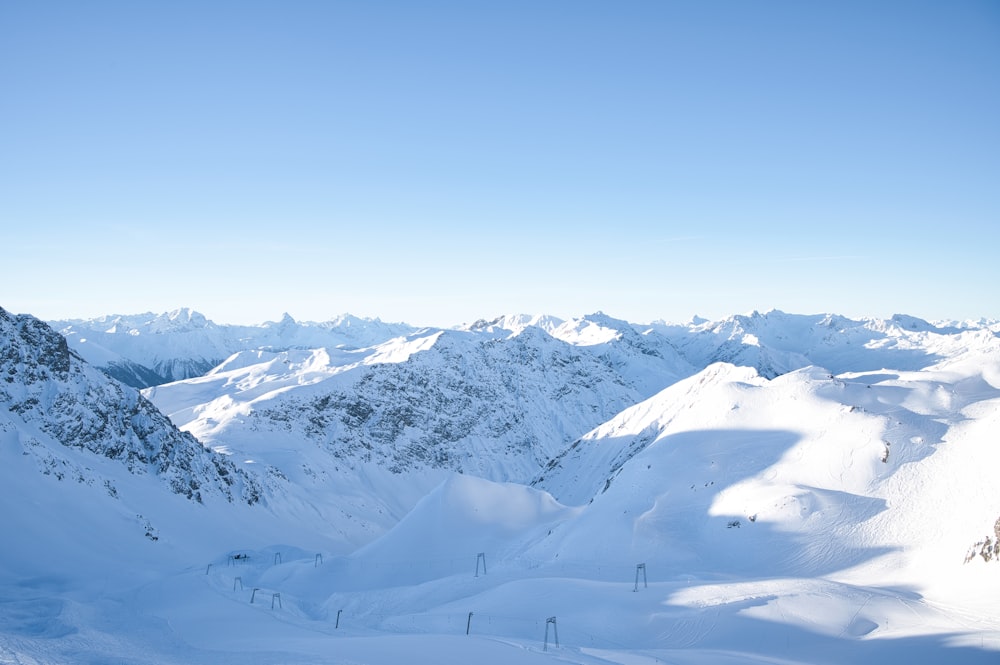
x=988, y=548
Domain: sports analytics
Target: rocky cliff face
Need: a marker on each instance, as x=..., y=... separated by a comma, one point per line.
x=498, y=407
x=50, y=394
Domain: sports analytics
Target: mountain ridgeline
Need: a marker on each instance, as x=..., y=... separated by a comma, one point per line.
x=144, y=350
x=496, y=398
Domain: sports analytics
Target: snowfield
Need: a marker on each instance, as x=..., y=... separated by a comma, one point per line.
x=772, y=488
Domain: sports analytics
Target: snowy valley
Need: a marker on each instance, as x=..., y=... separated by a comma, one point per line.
x=769, y=488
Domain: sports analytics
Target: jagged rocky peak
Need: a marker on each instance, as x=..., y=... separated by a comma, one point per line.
x=502, y=323
x=533, y=334
x=617, y=337
x=739, y=325
x=836, y=322
x=31, y=349
x=49, y=389
x=343, y=321
x=178, y=320
x=514, y=324
x=593, y=329
x=286, y=321
x=114, y=325
x=911, y=323
x=608, y=321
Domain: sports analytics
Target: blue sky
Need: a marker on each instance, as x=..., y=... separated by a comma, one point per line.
x=436, y=162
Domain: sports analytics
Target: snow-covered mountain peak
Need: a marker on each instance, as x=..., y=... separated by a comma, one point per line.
x=752, y=322
x=904, y=325
x=182, y=319
x=32, y=351
x=513, y=324
x=577, y=473
x=286, y=322
x=593, y=329
x=115, y=325
x=346, y=322
x=835, y=322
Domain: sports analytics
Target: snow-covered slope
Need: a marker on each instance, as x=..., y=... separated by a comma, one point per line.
x=821, y=473
x=817, y=497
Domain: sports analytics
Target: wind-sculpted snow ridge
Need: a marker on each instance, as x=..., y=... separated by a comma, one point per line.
x=144, y=350
x=52, y=395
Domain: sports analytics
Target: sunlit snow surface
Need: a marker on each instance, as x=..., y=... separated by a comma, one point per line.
x=822, y=516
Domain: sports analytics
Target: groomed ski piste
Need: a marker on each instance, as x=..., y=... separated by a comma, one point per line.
x=730, y=518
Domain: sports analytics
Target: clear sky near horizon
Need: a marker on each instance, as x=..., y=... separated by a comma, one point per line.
x=440, y=162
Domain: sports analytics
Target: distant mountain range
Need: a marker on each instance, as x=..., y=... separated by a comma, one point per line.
x=144, y=350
